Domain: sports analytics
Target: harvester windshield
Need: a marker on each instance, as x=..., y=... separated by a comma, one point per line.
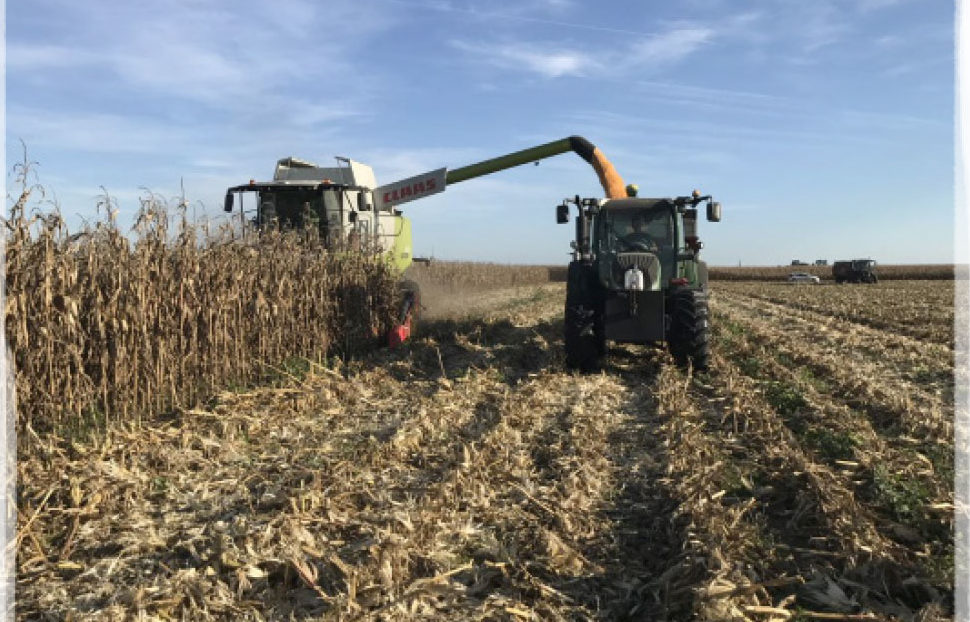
x=291, y=208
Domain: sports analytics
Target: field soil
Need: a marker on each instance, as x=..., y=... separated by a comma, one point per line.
x=469, y=476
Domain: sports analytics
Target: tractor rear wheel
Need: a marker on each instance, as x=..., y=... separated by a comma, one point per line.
x=688, y=335
x=583, y=328
x=702, y=274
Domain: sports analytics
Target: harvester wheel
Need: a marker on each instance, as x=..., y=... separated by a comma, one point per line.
x=410, y=296
x=583, y=330
x=688, y=336
x=408, y=313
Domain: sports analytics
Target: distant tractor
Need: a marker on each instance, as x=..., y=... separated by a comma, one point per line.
x=635, y=277
x=798, y=262
x=855, y=271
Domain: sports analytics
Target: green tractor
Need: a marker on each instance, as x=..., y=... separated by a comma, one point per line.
x=636, y=278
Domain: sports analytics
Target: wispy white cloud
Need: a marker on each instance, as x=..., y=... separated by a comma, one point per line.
x=669, y=47
x=820, y=24
x=174, y=51
x=887, y=41
x=531, y=58
x=875, y=5
x=656, y=51
x=94, y=132
x=526, y=12
x=27, y=57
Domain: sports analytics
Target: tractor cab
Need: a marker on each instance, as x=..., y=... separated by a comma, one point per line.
x=636, y=233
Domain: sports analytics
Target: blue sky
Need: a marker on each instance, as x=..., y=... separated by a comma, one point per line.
x=825, y=128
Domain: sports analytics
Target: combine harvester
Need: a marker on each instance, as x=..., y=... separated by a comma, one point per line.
x=634, y=278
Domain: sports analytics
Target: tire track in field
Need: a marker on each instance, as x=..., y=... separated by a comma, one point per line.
x=911, y=494
x=551, y=457
x=420, y=474
x=937, y=334
x=813, y=521
x=601, y=525
x=902, y=351
x=876, y=384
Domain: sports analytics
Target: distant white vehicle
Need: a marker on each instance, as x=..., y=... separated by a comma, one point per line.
x=803, y=277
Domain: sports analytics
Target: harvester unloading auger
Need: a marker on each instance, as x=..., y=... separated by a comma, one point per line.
x=611, y=293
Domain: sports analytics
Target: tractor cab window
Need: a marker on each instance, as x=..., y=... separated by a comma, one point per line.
x=639, y=230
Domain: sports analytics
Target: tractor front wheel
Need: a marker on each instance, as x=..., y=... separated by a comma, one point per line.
x=688, y=335
x=583, y=329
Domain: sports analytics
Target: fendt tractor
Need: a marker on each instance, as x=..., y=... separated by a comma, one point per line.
x=636, y=277
x=347, y=207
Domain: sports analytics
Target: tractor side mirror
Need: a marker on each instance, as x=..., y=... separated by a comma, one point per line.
x=562, y=214
x=364, y=201
x=352, y=217
x=228, y=206
x=714, y=211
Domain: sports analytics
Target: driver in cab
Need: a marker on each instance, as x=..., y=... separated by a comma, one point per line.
x=638, y=239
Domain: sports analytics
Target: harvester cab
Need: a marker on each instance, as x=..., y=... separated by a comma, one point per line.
x=636, y=277
x=337, y=202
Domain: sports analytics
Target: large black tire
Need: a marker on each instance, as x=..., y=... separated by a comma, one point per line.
x=688, y=336
x=702, y=274
x=583, y=324
x=409, y=303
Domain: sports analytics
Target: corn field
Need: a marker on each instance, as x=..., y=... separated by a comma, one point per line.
x=943, y=272
x=109, y=327
x=468, y=476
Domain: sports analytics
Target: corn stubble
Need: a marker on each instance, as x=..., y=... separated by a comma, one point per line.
x=467, y=476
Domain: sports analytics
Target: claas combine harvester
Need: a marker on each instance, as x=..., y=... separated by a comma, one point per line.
x=635, y=276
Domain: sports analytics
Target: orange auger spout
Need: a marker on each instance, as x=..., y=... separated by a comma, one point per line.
x=610, y=180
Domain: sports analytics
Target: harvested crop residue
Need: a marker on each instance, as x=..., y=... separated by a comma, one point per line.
x=468, y=476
